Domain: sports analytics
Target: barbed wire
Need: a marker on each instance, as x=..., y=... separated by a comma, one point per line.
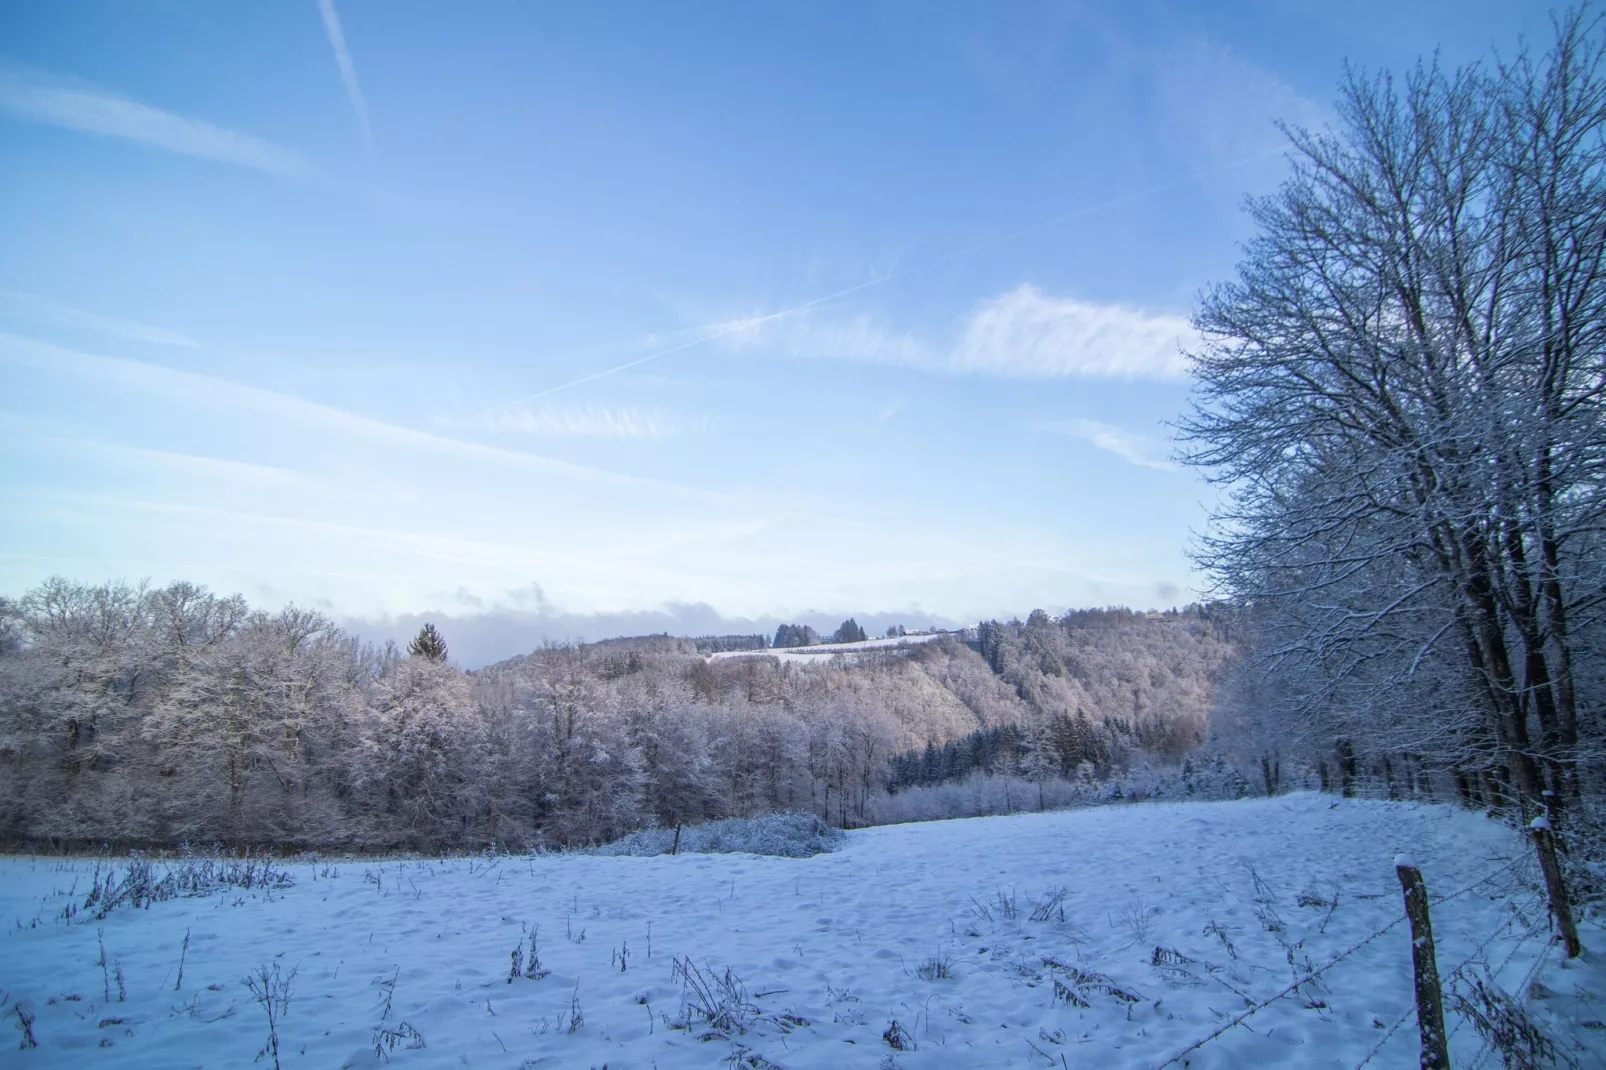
x=1513, y=864
x=1314, y=974
x=1489, y=1045
x=1522, y=941
x=1263, y=1004
x=1453, y=973
x=1401, y=1020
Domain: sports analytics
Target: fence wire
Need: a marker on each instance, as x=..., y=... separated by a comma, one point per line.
x=1316, y=973
x=1455, y=972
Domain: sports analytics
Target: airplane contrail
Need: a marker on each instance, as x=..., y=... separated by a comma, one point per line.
x=348, y=72
x=743, y=324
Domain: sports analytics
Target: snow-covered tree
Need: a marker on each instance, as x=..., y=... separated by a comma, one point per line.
x=1402, y=392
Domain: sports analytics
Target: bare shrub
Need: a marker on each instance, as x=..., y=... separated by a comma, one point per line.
x=1008, y=908
x=532, y=959
x=271, y=989
x=1222, y=933
x=1051, y=907
x=574, y=1019
x=142, y=884
x=1138, y=917
x=1079, y=985
x=25, y=1023
x=720, y=1001
x=1505, y=1026
x=386, y=1038
x=1175, y=967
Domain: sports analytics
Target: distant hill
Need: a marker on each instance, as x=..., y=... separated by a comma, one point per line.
x=1141, y=681
x=139, y=716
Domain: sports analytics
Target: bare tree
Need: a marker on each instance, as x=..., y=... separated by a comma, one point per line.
x=1403, y=393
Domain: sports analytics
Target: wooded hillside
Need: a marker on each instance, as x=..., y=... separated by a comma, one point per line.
x=162, y=716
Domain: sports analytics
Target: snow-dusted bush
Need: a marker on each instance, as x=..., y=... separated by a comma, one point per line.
x=787, y=835
x=1203, y=776
x=980, y=795
x=143, y=883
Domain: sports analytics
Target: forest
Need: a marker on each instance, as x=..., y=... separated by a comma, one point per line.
x=165, y=716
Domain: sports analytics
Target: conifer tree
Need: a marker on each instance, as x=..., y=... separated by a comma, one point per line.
x=428, y=644
x=850, y=631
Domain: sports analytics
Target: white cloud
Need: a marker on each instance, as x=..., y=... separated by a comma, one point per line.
x=39, y=310
x=1021, y=334
x=36, y=97
x=1132, y=448
x=1030, y=335
x=348, y=71
x=587, y=421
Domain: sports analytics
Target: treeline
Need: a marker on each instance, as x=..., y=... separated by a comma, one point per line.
x=1401, y=393
x=1071, y=748
x=1095, y=686
x=719, y=644
x=135, y=716
x=787, y=635
x=849, y=631
x=1149, y=677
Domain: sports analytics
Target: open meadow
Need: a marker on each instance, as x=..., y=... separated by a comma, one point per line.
x=1112, y=937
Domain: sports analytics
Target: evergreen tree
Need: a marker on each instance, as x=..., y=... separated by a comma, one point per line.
x=428, y=644
x=849, y=632
x=795, y=635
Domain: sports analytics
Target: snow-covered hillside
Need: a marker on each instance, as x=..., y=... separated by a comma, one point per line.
x=1026, y=941
x=821, y=652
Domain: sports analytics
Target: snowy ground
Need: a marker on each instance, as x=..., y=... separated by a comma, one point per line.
x=820, y=654
x=827, y=951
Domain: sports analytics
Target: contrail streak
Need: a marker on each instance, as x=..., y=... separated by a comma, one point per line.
x=348, y=72
x=879, y=280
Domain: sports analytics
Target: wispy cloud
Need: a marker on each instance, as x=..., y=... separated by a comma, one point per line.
x=1216, y=105
x=38, y=97
x=1021, y=334
x=188, y=465
x=587, y=421
x=731, y=330
x=1028, y=334
x=817, y=335
x=1135, y=449
x=212, y=392
x=348, y=71
x=35, y=309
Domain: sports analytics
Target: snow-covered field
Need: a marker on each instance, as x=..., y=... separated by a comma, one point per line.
x=936, y=926
x=819, y=654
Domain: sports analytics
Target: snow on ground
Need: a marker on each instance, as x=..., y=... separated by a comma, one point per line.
x=827, y=951
x=818, y=655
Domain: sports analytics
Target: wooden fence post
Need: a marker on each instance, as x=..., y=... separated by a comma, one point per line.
x=1429, y=1000
x=674, y=848
x=1556, y=888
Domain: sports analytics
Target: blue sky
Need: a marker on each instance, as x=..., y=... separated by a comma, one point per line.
x=579, y=309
